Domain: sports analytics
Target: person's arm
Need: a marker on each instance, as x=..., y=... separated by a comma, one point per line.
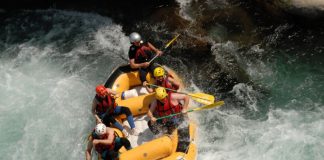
x=150, y=90
x=112, y=92
x=174, y=82
x=93, y=110
x=134, y=65
x=107, y=141
x=151, y=111
x=89, y=148
x=181, y=97
x=158, y=52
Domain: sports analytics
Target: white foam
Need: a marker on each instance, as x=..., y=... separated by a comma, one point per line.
x=286, y=134
x=246, y=94
x=184, y=7
x=312, y=4
x=47, y=82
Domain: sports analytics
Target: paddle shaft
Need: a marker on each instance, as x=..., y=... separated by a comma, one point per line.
x=219, y=103
x=156, y=86
x=166, y=47
x=156, y=56
x=172, y=115
x=179, y=92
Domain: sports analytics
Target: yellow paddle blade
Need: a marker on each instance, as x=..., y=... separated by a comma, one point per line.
x=217, y=104
x=172, y=40
x=202, y=98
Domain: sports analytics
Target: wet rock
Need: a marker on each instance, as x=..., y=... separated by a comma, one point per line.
x=307, y=9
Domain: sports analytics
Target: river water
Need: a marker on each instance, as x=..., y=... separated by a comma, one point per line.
x=51, y=60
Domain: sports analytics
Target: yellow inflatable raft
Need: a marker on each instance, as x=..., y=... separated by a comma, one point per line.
x=178, y=146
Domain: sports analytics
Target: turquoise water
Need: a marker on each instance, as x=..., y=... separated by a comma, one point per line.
x=50, y=62
x=299, y=80
x=279, y=114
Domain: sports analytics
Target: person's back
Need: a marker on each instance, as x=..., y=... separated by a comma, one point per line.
x=140, y=53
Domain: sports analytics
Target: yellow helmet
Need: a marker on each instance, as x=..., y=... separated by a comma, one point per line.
x=158, y=72
x=160, y=93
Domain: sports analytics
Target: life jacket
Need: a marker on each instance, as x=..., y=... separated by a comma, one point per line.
x=166, y=108
x=105, y=104
x=101, y=147
x=166, y=84
x=143, y=54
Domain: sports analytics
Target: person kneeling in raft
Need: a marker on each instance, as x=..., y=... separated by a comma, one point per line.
x=105, y=142
x=164, y=105
x=162, y=79
x=104, y=109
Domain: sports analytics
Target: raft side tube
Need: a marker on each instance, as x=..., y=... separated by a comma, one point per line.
x=190, y=154
x=138, y=105
x=126, y=81
x=153, y=150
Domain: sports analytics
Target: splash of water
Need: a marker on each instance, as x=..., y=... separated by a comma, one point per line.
x=47, y=80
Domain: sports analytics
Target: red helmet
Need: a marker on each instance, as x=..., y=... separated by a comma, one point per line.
x=101, y=89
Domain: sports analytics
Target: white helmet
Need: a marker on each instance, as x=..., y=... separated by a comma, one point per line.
x=100, y=129
x=134, y=37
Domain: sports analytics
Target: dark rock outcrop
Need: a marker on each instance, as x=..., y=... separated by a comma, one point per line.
x=303, y=10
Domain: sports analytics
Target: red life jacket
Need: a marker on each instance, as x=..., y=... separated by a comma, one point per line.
x=166, y=84
x=142, y=54
x=166, y=108
x=105, y=104
x=100, y=147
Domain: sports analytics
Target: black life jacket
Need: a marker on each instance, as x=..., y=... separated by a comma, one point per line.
x=143, y=54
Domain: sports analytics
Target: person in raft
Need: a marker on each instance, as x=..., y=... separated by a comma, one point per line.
x=140, y=53
x=104, y=109
x=163, y=79
x=164, y=105
x=105, y=142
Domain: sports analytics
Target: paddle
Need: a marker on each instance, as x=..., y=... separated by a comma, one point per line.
x=165, y=47
x=199, y=97
x=216, y=104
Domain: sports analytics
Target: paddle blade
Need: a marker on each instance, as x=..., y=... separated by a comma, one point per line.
x=203, y=98
x=217, y=104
